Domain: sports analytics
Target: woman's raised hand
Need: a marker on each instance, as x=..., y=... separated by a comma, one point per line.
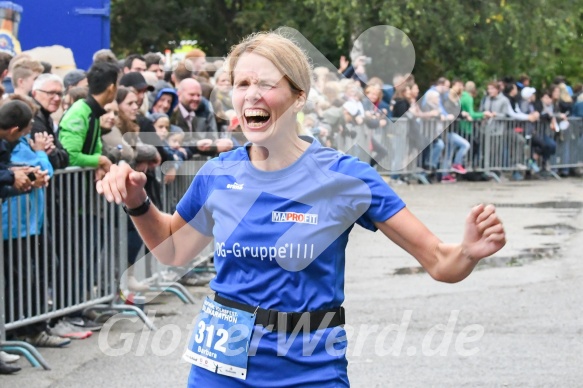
x=484, y=234
x=122, y=184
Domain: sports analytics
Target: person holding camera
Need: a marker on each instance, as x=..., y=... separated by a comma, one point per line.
x=14, y=180
x=24, y=236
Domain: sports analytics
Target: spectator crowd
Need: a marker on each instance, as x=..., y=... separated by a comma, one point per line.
x=147, y=113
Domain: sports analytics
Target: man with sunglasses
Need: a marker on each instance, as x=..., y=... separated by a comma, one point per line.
x=47, y=92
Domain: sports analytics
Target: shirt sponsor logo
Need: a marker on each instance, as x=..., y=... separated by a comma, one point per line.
x=301, y=218
x=235, y=186
x=284, y=251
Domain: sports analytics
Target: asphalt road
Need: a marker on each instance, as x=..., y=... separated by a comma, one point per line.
x=516, y=321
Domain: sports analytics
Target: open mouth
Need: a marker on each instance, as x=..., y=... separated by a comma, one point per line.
x=256, y=118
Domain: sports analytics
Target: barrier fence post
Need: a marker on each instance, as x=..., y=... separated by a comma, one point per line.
x=2, y=296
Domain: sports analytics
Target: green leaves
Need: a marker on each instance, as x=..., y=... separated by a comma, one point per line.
x=471, y=39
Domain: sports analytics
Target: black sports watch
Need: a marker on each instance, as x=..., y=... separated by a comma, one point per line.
x=138, y=211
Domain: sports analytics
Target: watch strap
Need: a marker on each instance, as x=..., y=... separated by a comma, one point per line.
x=140, y=210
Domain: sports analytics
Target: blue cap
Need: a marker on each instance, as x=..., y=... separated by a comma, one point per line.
x=175, y=129
x=157, y=116
x=11, y=5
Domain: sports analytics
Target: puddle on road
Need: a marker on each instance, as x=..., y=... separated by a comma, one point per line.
x=408, y=271
x=528, y=255
x=553, y=230
x=525, y=256
x=544, y=205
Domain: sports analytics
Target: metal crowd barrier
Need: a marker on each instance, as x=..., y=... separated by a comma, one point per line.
x=69, y=263
x=495, y=146
x=73, y=262
x=569, y=152
x=160, y=277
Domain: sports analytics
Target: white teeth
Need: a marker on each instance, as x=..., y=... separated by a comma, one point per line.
x=256, y=112
x=255, y=125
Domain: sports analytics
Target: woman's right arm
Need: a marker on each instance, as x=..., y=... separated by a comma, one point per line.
x=169, y=237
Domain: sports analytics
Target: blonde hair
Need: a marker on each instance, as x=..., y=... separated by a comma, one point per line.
x=27, y=63
x=20, y=73
x=376, y=88
x=321, y=71
x=331, y=90
x=343, y=84
x=432, y=97
x=287, y=57
x=220, y=71
x=564, y=93
x=470, y=87
x=353, y=89
x=195, y=53
x=376, y=81
x=17, y=59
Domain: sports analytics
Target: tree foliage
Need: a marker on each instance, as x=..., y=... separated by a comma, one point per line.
x=471, y=39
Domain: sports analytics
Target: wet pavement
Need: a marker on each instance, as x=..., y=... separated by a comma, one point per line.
x=516, y=321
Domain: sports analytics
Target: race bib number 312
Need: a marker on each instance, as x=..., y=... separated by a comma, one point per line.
x=220, y=340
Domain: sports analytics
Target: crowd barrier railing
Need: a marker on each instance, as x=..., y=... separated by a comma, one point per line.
x=164, y=278
x=64, y=253
x=61, y=253
x=495, y=146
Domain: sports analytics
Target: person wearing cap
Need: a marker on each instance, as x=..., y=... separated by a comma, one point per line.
x=80, y=132
x=47, y=92
x=135, y=80
x=528, y=97
x=174, y=140
x=161, y=122
x=163, y=101
x=75, y=78
x=513, y=152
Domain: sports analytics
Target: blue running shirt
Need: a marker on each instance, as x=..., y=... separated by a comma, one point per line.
x=280, y=239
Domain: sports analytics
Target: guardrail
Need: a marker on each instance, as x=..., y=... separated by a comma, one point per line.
x=418, y=147
x=59, y=255
x=66, y=252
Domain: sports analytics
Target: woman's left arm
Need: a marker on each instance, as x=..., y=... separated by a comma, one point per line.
x=483, y=236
